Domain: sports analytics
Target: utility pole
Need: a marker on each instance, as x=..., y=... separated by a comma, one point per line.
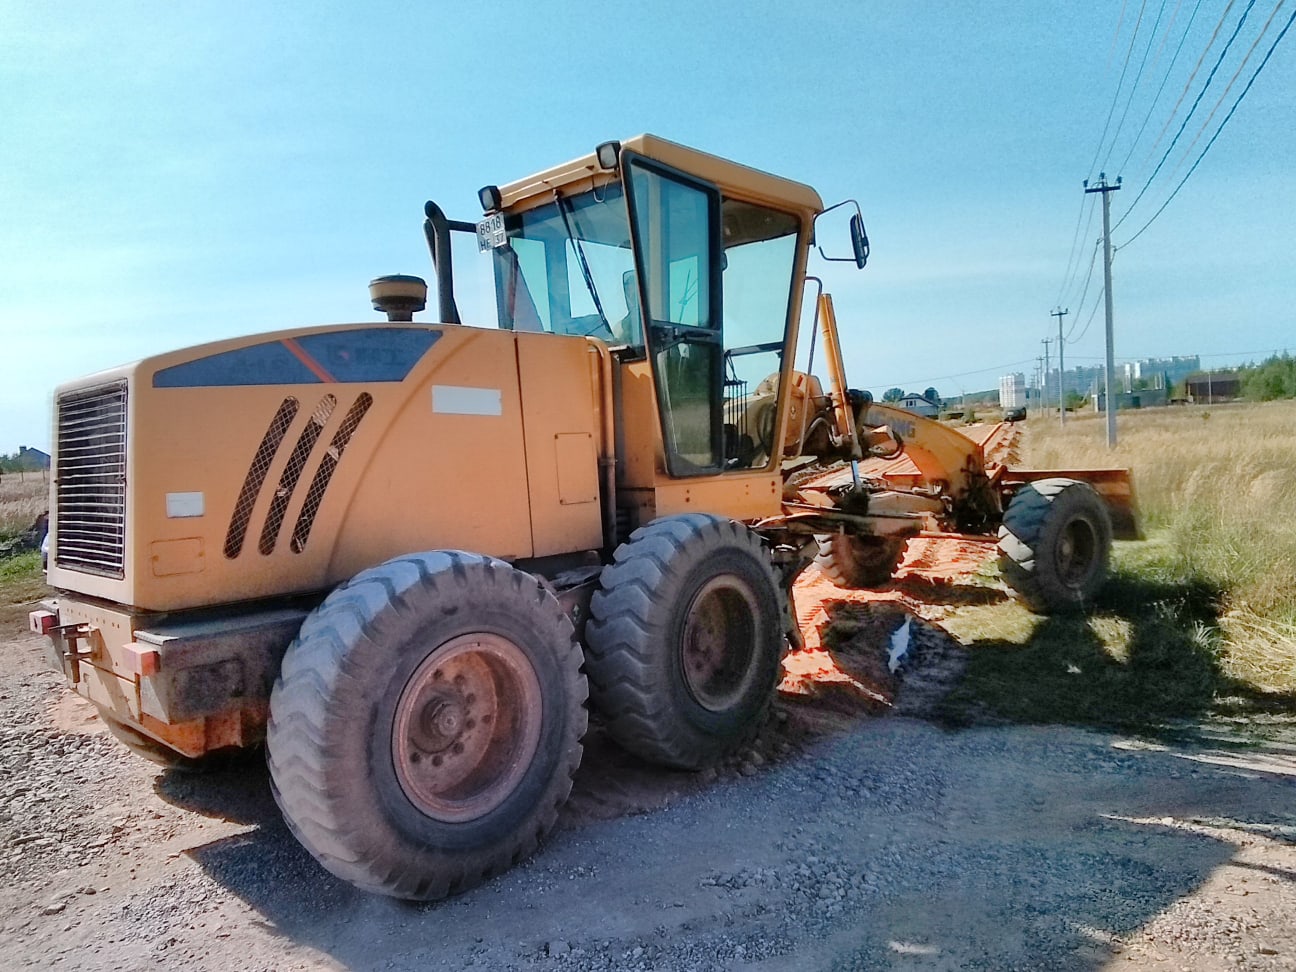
x=1059, y=313
x=1044, y=380
x=1039, y=384
x=1106, y=189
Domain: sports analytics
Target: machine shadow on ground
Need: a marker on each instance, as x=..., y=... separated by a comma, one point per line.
x=1142, y=659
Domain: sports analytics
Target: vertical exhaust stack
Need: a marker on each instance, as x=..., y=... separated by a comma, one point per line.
x=398, y=295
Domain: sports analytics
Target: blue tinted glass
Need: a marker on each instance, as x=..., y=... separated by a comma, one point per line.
x=359, y=355
x=369, y=354
x=262, y=364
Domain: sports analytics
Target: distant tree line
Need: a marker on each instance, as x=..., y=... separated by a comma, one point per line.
x=1272, y=379
x=20, y=462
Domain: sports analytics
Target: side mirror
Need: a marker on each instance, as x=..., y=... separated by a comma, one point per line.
x=859, y=237
x=859, y=240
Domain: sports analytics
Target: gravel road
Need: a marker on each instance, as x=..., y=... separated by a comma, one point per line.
x=843, y=840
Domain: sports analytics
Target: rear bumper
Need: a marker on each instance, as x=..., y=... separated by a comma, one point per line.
x=194, y=681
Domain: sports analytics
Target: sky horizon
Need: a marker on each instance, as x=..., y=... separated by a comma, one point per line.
x=173, y=176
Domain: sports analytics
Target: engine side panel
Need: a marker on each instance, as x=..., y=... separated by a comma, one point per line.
x=288, y=462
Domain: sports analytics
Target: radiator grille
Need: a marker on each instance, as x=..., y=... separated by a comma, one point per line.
x=90, y=481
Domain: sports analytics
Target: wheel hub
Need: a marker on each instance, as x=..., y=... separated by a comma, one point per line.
x=718, y=649
x=466, y=727
x=1077, y=551
x=440, y=723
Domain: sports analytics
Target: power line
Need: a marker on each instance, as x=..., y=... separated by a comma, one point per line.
x=1189, y=173
x=1120, y=22
x=1229, y=87
x=1067, y=277
x=1102, y=140
x=1138, y=77
x=961, y=374
x=1093, y=262
x=1188, y=117
x=1092, y=314
x=1174, y=59
x=1192, y=76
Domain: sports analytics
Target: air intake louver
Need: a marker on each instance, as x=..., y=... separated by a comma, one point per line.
x=276, y=436
x=90, y=481
x=256, y=474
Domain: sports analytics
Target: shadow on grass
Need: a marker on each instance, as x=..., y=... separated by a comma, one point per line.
x=1141, y=659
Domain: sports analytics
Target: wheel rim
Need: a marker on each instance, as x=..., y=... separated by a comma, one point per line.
x=718, y=648
x=1076, y=551
x=466, y=727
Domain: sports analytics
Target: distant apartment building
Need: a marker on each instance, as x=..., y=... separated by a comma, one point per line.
x=1159, y=372
x=1012, y=391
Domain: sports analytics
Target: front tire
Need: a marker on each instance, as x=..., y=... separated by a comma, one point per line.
x=1055, y=544
x=857, y=563
x=684, y=639
x=426, y=724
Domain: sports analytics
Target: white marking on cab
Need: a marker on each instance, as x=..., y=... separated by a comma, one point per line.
x=183, y=505
x=462, y=400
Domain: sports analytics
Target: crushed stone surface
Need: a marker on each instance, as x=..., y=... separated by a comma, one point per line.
x=852, y=835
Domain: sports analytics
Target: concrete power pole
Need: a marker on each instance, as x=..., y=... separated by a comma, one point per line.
x=1044, y=379
x=1059, y=314
x=1106, y=189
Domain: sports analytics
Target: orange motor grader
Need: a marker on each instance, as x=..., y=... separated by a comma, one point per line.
x=407, y=555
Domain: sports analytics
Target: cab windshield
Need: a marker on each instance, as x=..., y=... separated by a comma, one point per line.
x=568, y=269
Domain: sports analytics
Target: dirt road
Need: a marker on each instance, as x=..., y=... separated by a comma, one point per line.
x=845, y=839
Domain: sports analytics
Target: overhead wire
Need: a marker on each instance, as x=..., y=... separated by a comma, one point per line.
x=1188, y=117
x=1067, y=277
x=1229, y=87
x=959, y=374
x=1188, y=174
x=1138, y=77
x=1102, y=140
x=1120, y=22
x=1192, y=76
x=1093, y=261
x=1156, y=98
x=1092, y=314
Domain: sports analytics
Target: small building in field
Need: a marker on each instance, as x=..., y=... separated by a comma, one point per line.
x=1143, y=398
x=920, y=406
x=33, y=458
x=1214, y=386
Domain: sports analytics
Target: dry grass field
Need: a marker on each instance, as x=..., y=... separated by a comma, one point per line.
x=23, y=497
x=1200, y=618
x=1217, y=493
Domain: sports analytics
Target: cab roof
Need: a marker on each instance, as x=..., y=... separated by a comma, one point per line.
x=733, y=178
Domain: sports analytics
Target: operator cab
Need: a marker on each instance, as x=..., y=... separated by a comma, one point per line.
x=698, y=277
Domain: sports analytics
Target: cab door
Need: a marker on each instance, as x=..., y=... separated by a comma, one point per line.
x=675, y=232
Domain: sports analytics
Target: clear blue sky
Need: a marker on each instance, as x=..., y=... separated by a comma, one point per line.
x=173, y=173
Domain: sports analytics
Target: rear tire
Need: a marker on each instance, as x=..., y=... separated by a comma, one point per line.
x=1055, y=544
x=426, y=724
x=684, y=639
x=859, y=562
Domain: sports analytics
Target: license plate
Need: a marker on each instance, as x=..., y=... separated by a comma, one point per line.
x=490, y=232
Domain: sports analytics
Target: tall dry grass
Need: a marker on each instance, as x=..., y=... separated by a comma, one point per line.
x=22, y=499
x=1216, y=489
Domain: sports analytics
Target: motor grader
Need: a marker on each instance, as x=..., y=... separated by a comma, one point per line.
x=406, y=555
